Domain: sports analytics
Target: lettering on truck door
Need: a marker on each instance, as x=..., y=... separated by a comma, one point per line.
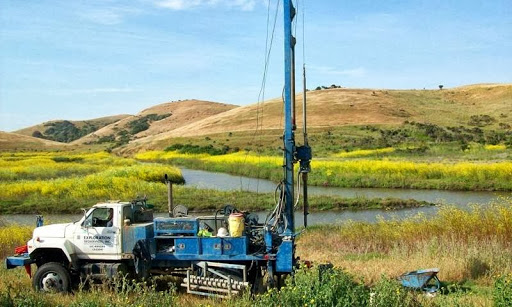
x=98, y=236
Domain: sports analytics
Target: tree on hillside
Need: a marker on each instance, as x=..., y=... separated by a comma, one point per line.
x=38, y=134
x=440, y=86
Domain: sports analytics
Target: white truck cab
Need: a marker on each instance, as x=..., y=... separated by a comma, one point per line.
x=95, y=236
x=100, y=244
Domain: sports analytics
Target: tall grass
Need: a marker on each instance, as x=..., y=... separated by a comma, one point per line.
x=59, y=182
x=365, y=152
x=12, y=236
x=356, y=173
x=15, y=290
x=472, y=244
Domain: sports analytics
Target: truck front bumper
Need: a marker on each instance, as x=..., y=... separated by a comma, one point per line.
x=20, y=260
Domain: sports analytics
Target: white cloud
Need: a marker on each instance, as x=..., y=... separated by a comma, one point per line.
x=177, y=5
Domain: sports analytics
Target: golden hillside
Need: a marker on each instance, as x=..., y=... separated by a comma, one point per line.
x=159, y=119
x=341, y=107
x=157, y=126
x=18, y=142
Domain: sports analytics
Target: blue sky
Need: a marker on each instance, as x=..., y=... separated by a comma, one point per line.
x=62, y=59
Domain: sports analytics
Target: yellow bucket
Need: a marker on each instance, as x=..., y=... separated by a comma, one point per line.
x=236, y=224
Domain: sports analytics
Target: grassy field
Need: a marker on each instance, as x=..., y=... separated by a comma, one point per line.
x=466, y=245
x=360, y=170
x=56, y=182
x=471, y=248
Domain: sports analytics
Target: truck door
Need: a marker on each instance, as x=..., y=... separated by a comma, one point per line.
x=98, y=237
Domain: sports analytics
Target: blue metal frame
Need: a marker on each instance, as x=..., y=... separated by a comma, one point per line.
x=289, y=139
x=16, y=261
x=420, y=280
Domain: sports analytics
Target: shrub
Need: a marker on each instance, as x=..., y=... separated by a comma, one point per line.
x=106, y=139
x=196, y=149
x=481, y=120
x=67, y=159
x=388, y=293
x=143, y=123
x=309, y=287
x=65, y=131
x=502, y=293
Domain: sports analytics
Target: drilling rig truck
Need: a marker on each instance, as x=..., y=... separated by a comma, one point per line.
x=123, y=237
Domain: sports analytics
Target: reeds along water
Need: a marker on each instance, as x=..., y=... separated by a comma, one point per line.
x=356, y=172
x=42, y=178
x=12, y=236
x=466, y=244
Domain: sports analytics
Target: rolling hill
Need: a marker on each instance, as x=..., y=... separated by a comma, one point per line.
x=19, y=142
x=485, y=106
x=66, y=131
x=156, y=120
x=461, y=106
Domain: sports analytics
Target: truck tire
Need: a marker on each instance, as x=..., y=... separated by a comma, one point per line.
x=52, y=277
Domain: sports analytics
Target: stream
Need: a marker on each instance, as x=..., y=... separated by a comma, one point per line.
x=226, y=182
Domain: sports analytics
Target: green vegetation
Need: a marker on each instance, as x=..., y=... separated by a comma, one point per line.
x=466, y=245
x=62, y=200
x=58, y=183
x=481, y=120
x=422, y=137
x=142, y=123
x=323, y=87
x=65, y=131
x=332, y=287
x=356, y=172
x=502, y=293
x=471, y=248
x=124, y=136
x=196, y=149
x=37, y=183
x=15, y=290
x=411, y=140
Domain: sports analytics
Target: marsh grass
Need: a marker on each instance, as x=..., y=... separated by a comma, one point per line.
x=62, y=183
x=355, y=172
x=12, y=236
x=465, y=245
x=37, y=183
x=197, y=200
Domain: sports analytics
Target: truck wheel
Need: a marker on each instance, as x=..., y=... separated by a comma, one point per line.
x=52, y=277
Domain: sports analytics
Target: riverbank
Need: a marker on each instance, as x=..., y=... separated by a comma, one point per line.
x=466, y=245
x=56, y=182
x=354, y=172
x=197, y=200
